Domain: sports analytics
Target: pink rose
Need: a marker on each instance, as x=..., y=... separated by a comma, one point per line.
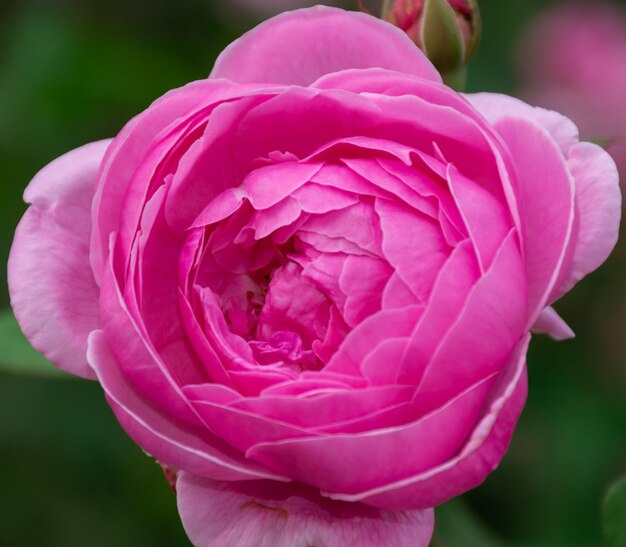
x=573, y=59
x=320, y=265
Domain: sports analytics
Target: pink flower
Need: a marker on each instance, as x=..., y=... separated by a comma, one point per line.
x=573, y=59
x=307, y=282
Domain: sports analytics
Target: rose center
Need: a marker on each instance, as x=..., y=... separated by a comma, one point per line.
x=283, y=316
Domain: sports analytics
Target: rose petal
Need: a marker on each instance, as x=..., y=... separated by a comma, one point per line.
x=206, y=167
x=363, y=280
x=413, y=244
x=172, y=442
x=393, y=323
x=487, y=231
x=239, y=428
x=479, y=457
x=307, y=314
x=598, y=197
x=397, y=294
x=599, y=203
x=449, y=295
x=549, y=322
x=485, y=332
x=152, y=293
x=546, y=194
x=269, y=185
x=315, y=198
x=357, y=224
x=357, y=462
x=53, y=292
x=137, y=357
x=326, y=407
x=300, y=46
x=495, y=106
x=269, y=514
x=128, y=150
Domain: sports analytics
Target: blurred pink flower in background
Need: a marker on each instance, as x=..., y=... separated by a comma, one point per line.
x=573, y=59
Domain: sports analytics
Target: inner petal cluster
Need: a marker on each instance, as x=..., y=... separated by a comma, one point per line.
x=302, y=253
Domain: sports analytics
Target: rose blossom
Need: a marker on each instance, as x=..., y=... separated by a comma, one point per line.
x=307, y=282
x=573, y=59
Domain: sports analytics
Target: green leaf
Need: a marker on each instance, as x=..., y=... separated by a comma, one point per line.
x=16, y=353
x=457, y=526
x=614, y=515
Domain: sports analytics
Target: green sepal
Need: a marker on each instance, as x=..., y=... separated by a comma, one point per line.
x=442, y=37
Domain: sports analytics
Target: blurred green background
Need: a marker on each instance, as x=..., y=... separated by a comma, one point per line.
x=73, y=71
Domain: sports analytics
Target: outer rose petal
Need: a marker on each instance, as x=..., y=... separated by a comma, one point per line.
x=495, y=106
x=129, y=150
x=546, y=195
x=169, y=440
x=598, y=197
x=300, y=46
x=599, y=202
x=270, y=514
x=550, y=322
x=53, y=292
x=480, y=456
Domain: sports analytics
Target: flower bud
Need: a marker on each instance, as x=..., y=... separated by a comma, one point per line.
x=446, y=30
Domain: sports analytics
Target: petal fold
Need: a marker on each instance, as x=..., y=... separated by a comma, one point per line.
x=480, y=455
x=549, y=322
x=53, y=291
x=269, y=514
x=170, y=441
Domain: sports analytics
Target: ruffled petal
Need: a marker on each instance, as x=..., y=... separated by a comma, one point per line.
x=495, y=106
x=300, y=46
x=599, y=208
x=546, y=196
x=598, y=197
x=482, y=336
x=357, y=462
x=413, y=244
x=172, y=442
x=270, y=514
x=446, y=301
x=53, y=292
x=549, y=322
x=316, y=409
x=137, y=357
x=385, y=324
x=480, y=455
x=129, y=150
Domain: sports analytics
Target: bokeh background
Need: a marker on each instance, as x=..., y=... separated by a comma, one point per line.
x=73, y=71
